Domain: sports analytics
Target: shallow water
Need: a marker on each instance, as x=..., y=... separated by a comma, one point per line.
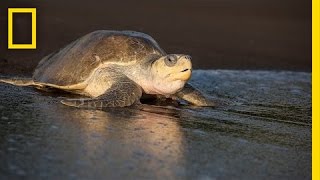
x=262, y=132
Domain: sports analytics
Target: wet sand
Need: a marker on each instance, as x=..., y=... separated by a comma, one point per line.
x=264, y=133
x=218, y=34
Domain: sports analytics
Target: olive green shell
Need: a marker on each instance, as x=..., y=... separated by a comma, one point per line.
x=74, y=63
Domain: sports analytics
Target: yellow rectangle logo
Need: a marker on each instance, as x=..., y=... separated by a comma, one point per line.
x=33, y=12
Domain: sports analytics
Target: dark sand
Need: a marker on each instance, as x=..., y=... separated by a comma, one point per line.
x=219, y=34
x=264, y=133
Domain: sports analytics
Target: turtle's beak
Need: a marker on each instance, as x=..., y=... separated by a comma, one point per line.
x=185, y=74
x=185, y=67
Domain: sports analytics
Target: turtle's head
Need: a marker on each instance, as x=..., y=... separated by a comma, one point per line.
x=170, y=73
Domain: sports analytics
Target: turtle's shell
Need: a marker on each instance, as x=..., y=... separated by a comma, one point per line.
x=74, y=63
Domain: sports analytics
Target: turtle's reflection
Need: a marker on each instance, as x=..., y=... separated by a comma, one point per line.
x=132, y=138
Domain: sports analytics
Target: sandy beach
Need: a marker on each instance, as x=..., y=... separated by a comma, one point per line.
x=260, y=128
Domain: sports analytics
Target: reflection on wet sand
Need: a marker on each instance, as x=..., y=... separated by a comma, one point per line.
x=144, y=140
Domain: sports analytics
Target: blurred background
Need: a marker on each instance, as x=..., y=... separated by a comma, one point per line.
x=218, y=34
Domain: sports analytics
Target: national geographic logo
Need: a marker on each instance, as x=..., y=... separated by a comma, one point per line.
x=11, y=12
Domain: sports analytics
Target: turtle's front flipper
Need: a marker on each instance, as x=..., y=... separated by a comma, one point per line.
x=123, y=93
x=18, y=81
x=194, y=96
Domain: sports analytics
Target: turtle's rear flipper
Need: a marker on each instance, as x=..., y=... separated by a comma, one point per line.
x=124, y=92
x=18, y=81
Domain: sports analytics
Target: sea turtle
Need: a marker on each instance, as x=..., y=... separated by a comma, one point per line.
x=114, y=69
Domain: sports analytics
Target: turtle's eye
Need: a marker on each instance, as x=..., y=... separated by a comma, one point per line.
x=170, y=60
